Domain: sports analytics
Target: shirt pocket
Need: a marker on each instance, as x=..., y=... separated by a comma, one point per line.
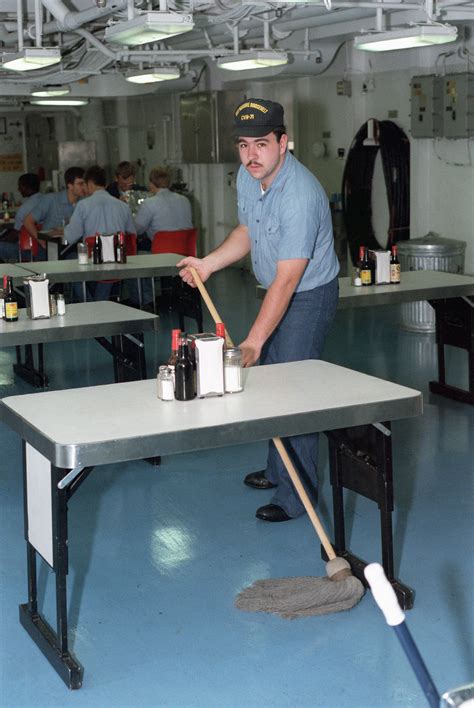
x=272, y=231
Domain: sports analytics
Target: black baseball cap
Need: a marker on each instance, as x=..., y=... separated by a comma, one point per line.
x=257, y=117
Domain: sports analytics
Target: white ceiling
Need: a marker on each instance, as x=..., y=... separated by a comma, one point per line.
x=304, y=29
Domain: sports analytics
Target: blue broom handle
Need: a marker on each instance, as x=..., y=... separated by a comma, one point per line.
x=418, y=665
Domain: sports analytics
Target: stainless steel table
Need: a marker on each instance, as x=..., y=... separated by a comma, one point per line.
x=144, y=266
x=451, y=297
x=66, y=433
x=17, y=272
x=98, y=320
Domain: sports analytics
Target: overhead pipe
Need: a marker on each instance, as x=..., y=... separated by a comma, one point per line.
x=38, y=23
x=67, y=20
x=19, y=19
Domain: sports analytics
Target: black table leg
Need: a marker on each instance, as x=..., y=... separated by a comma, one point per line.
x=128, y=352
x=360, y=459
x=454, y=327
x=52, y=643
x=26, y=369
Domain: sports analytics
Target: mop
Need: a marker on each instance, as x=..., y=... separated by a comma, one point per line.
x=306, y=596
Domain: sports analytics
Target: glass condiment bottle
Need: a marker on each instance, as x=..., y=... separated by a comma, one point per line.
x=82, y=254
x=165, y=384
x=233, y=382
x=184, y=373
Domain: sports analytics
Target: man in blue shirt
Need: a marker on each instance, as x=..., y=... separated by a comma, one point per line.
x=56, y=208
x=28, y=186
x=165, y=210
x=285, y=224
x=99, y=213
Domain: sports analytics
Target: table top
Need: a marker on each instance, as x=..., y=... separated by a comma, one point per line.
x=82, y=321
x=415, y=285
x=18, y=271
x=119, y=422
x=146, y=266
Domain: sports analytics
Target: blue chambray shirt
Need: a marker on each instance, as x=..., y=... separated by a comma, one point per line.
x=99, y=213
x=52, y=210
x=27, y=206
x=291, y=219
x=166, y=211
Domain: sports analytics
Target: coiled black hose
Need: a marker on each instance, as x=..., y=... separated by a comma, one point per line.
x=357, y=179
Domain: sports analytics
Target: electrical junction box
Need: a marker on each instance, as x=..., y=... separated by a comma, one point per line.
x=458, y=105
x=344, y=88
x=426, y=106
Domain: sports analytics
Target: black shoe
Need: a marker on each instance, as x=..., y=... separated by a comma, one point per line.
x=272, y=512
x=257, y=480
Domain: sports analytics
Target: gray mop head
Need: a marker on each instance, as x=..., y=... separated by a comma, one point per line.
x=300, y=597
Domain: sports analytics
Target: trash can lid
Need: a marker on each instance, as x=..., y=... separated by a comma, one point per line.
x=431, y=244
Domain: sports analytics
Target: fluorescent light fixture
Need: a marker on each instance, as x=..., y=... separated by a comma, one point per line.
x=31, y=58
x=417, y=36
x=51, y=91
x=59, y=101
x=253, y=60
x=150, y=76
x=149, y=27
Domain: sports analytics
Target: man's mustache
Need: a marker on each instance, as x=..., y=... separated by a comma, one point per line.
x=255, y=164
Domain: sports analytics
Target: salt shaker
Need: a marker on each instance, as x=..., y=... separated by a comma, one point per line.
x=82, y=254
x=61, y=305
x=165, y=384
x=233, y=370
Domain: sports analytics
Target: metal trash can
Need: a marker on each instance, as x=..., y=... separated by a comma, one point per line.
x=432, y=252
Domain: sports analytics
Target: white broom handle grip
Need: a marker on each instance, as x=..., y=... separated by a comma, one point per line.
x=210, y=305
x=290, y=468
x=384, y=594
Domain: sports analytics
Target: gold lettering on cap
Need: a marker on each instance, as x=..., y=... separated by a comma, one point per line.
x=251, y=104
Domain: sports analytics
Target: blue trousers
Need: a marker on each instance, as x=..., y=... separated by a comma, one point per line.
x=300, y=335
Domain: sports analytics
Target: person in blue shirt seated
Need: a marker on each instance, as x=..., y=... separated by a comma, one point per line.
x=55, y=209
x=285, y=225
x=124, y=181
x=28, y=186
x=98, y=213
x=165, y=210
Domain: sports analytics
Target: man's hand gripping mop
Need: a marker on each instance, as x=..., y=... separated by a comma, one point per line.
x=297, y=597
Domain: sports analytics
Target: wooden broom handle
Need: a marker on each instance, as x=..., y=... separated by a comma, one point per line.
x=290, y=468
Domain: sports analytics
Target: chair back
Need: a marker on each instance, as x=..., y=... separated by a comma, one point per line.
x=26, y=242
x=183, y=242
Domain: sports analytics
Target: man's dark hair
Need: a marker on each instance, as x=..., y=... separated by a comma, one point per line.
x=73, y=173
x=278, y=132
x=96, y=174
x=160, y=177
x=28, y=184
x=125, y=169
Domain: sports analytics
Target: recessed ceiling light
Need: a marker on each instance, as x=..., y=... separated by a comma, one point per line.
x=150, y=76
x=252, y=60
x=149, y=27
x=417, y=36
x=59, y=101
x=51, y=91
x=31, y=58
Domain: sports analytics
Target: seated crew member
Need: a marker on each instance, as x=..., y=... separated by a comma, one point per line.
x=124, y=181
x=28, y=186
x=99, y=212
x=165, y=210
x=53, y=210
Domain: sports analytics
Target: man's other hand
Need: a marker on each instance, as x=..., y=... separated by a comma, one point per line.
x=250, y=353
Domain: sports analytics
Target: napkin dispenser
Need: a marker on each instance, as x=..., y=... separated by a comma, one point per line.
x=37, y=296
x=108, y=248
x=209, y=366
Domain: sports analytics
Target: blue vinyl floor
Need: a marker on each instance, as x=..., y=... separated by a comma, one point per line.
x=157, y=555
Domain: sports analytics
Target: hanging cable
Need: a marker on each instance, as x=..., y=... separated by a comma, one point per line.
x=357, y=180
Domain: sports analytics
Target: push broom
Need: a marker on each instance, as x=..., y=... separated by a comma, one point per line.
x=297, y=597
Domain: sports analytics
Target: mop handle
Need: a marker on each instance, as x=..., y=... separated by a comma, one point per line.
x=290, y=468
x=384, y=596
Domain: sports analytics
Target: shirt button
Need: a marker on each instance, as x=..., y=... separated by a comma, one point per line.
x=258, y=221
